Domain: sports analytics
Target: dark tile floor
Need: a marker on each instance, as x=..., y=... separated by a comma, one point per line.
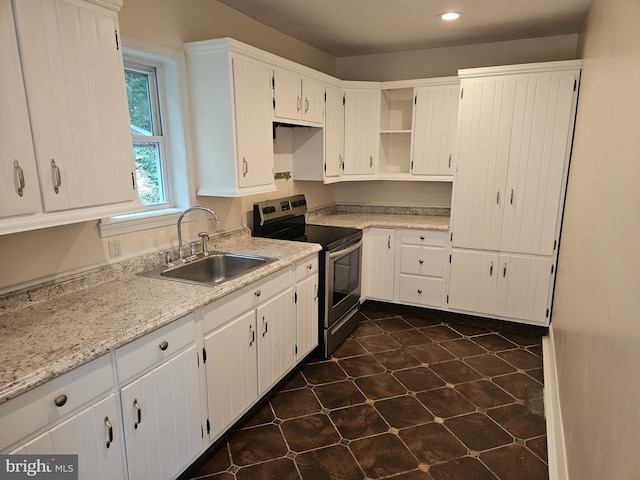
x=407, y=397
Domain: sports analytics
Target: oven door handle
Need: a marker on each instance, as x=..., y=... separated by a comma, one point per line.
x=345, y=251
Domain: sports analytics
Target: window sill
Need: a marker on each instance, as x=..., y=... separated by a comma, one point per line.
x=136, y=222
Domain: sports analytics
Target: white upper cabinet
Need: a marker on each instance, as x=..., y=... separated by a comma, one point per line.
x=361, y=130
x=297, y=98
x=66, y=112
x=435, y=118
x=514, y=141
x=334, y=133
x=74, y=80
x=232, y=111
x=19, y=187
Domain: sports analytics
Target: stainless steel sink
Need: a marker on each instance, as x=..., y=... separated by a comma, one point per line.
x=214, y=269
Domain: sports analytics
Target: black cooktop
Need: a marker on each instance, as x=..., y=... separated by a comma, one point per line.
x=329, y=237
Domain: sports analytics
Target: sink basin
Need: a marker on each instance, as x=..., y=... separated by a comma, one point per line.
x=212, y=270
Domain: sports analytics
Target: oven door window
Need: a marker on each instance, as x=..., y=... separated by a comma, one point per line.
x=346, y=276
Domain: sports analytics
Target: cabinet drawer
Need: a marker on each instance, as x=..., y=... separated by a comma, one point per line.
x=306, y=268
x=421, y=290
x=35, y=409
x=154, y=348
x=422, y=260
x=433, y=238
x=229, y=307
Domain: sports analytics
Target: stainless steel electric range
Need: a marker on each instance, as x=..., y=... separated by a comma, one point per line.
x=340, y=263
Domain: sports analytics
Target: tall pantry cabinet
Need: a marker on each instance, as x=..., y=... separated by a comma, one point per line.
x=514, y=141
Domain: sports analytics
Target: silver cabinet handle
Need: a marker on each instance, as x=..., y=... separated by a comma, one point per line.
x=61, y=400
x=265, y=326
x=56, y=176
x=20, y=173
x=245, y=167
x=299, y=103
x=421, y=237
x=504, y=271
x=498, y=198
x=163, y=345
x=449, y=160
x=421, y=261
x=257, y=293
x=310, y=266
x=491, y=270
x=306, y=104
x=138, y=408
x=340, y=161
x=253, y=335
x=109, y=431
x=420, y=291
x=370, y=161
x=315, y=290
x=511, y=201
x=389, y=242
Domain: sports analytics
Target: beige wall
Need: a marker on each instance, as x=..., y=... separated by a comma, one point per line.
x=596, y=320
x=444, y=62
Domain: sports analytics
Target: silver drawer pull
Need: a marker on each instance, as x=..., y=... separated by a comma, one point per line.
x=109, y=430
x=419, y=290
x=164, y=345
x=20, y=174
x=258, y=293
x=421, y=261
x=138, y=408
x=421, y=237
x=309, y=267
x=61, y=400
x=56, y=175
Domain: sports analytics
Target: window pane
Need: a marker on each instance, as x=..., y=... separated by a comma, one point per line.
x=140, y=113
x=149, y=172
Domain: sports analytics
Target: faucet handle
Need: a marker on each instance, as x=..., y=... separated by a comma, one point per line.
x=192, y=249
x=167, y=258
x=204, y=236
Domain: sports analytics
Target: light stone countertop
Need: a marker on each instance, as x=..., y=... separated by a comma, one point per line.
x=46, y=338
x=364, y=220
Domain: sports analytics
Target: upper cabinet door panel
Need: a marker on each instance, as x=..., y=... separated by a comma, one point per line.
x=253, y=116
x=541, y=141
x=287, y=95
x=362, y=123
x=19, y=186
x=486, y=114
x=434, y=129
x=334, y=132
x=77, y=100
x=312, y=101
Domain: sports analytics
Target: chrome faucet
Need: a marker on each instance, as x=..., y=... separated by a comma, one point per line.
x=190, y=209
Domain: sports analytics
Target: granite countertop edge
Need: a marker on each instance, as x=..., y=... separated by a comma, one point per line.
x=50, y=338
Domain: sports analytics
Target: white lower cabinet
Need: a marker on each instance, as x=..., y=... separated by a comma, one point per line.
x=307, y=306
x=160, y=395
x=94, y=434
x=378, y=266
x=517, y=287
x=250, y=342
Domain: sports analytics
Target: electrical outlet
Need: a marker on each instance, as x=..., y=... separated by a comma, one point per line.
x=114, y=248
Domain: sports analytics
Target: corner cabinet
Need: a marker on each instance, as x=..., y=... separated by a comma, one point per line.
x=76, y=104
x=231, y=103
x=514, y=142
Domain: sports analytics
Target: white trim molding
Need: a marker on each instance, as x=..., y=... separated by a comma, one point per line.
x=555, y=433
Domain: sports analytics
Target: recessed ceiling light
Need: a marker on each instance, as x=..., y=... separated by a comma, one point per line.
x=448, y=16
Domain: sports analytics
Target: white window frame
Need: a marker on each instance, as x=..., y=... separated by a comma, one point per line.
x=171, y=79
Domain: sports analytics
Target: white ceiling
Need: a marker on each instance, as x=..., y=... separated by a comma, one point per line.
x=359, y=27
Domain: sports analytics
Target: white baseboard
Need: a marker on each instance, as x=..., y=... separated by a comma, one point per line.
x=555, y=434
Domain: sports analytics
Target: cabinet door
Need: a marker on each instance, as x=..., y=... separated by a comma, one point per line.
x=435, y=117
x=473, y=281
x=161, y=414
x=95, y=435
x=307, y=316
x=541, y=141
x=379, y=263
x=486, y=116
x=287, y=94
x=524, y=284
x=362, y=123
x=232, y=371
x=334, y=133
x=19, y=187
x=74, y=80
x=312, y=100
x=254, y=113
x=276, y=339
